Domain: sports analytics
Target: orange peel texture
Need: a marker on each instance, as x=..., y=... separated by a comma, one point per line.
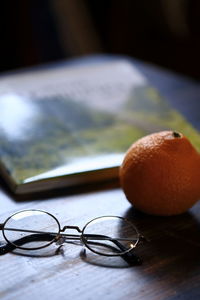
x=160, y=174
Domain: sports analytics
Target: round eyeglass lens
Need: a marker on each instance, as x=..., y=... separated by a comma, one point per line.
x=110, y=235
x=31, y=229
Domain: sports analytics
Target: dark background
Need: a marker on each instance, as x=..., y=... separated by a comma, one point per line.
x=165, y=32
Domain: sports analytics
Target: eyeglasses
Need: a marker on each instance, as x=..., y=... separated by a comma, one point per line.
x=37, y=229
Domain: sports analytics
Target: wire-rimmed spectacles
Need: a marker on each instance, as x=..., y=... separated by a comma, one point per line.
x=36, y=229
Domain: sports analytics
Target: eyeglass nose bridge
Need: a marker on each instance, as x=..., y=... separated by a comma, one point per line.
x=71, y=227
x=62, y=237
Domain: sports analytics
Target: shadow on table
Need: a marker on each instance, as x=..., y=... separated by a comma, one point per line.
x=68, y=191
x=90, y=258
x=104, y=261
x=86, y=256
x=172, y=255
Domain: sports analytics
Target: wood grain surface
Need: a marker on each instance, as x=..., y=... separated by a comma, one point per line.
x=171, y=256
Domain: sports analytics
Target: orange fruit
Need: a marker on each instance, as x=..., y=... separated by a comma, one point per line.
x=160, y=174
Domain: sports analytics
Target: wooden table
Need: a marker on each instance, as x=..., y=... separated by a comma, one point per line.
x=171, y=254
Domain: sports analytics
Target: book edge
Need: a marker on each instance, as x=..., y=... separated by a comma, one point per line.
x=67, y=181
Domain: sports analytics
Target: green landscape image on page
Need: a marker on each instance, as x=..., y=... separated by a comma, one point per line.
x=46, y=132
x=81, y=132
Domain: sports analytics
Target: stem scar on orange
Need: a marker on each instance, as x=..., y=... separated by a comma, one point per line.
x=160, y=174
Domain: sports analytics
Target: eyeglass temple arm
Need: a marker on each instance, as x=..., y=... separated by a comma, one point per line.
x=129, y=257
x=31, y=238
x=48, y=237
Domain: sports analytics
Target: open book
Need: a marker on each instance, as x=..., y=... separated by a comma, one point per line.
x=70, y=125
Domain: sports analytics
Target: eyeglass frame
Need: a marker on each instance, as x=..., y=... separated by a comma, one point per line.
x=126, y=255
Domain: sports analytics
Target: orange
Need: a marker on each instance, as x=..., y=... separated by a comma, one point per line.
x=160, y=174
